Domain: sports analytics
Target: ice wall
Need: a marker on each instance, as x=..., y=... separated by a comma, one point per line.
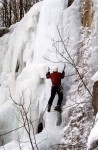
x=93, y=137
x=23, y=82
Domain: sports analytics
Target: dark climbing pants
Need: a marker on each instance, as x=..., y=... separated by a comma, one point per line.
x=54, y=90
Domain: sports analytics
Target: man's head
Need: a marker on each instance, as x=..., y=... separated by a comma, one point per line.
x=55, y=69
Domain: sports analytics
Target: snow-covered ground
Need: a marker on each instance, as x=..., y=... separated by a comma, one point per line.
x=32, y=44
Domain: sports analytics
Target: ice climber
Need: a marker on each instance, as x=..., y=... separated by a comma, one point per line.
x=55, y=77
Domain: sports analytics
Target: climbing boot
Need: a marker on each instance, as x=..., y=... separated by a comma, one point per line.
x=49, y=108
x=58, y=108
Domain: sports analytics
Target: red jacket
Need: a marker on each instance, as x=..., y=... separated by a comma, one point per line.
x=55, y=77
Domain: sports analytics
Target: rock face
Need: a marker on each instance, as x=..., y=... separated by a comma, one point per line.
x=70, y=2
x=77, y=128
x=94, y=145
x=95, y=97
x=3, y=31
x=81, y=115
x=87, y=15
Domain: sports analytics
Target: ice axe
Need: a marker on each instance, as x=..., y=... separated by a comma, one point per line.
x=64, y=67
x=48, y=69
